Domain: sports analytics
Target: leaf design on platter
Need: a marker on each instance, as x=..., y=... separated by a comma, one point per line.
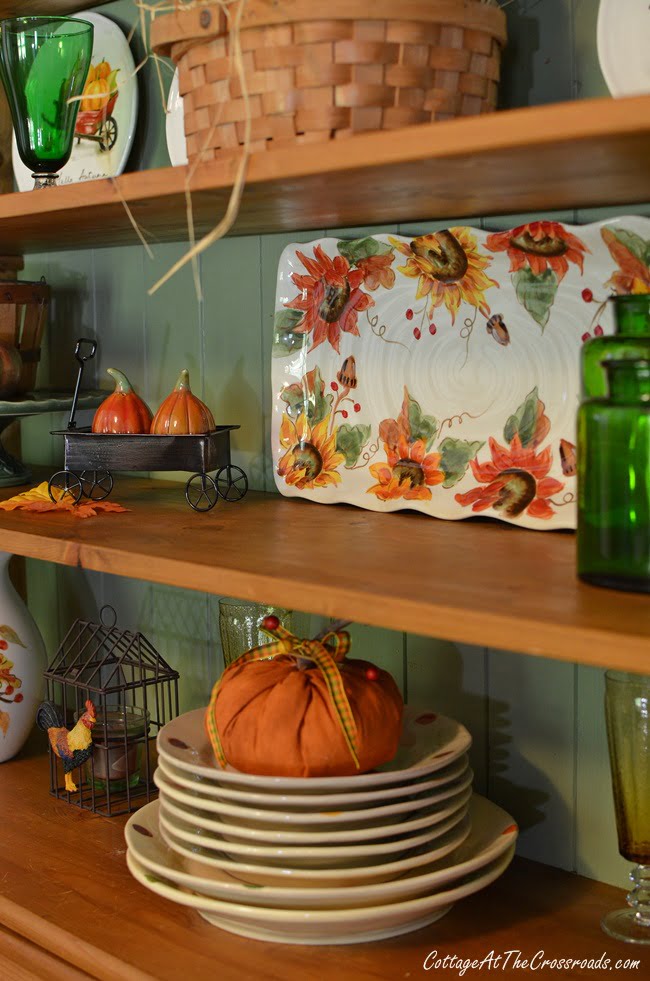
x=142, y=830
x=536, y=293
x=4, y=722
x=9, y=634
x=362, y=248
x=418, y=424
x=529, y=422
x=285, y=338
x=308, y=397
x=455, y=455
x=350, y=440
x=639, y=247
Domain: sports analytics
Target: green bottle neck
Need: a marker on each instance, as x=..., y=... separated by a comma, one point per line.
x=629, y=381
x=632, y=315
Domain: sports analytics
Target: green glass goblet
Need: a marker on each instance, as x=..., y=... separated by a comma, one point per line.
x=627, y=713
x=44, y=63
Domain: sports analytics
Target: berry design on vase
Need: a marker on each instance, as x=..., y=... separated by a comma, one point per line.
x=9, y=682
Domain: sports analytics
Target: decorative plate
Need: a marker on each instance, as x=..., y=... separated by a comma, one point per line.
x=623, y=30
x=209, y=864
x=441, y=373
x=318, y=819
x=295, y=803
x=219, y=827
x=323, y=926
x=306, y=856
x=105, y=125
x=428, y=743
x=175, y=125
x=492, y=833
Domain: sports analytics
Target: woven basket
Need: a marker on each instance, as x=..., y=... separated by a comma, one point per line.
x=372, y=65
x=23, y=312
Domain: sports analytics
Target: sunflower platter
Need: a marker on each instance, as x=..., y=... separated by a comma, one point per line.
x=441, y=373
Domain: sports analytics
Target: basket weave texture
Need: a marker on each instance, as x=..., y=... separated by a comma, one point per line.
x=312, y=80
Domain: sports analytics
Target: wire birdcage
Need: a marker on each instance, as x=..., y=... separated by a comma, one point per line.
x=135, y=693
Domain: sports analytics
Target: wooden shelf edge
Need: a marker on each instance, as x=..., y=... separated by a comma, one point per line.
x=521, y=595
x=591, y=152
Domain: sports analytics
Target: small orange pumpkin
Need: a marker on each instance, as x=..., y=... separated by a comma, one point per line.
x=182, y=412
x=103, y=69
x=96, y=95
x=123, y=411
x=276, y=718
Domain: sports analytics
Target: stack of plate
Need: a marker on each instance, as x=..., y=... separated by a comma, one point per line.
x=320, y=860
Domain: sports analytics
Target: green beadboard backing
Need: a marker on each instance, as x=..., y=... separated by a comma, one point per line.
x=539, y=739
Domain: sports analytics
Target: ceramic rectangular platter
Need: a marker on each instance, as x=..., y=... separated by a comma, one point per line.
x=442, y=373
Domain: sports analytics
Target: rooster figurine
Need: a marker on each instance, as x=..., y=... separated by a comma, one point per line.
x=73, y=746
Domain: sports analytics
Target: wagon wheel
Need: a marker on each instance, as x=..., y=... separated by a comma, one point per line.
x=201, y=492
x=232, y=483
x=108, y=134
x=66, y=481
x=96, y=484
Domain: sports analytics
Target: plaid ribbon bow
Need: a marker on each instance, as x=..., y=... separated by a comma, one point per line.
x=324, y=653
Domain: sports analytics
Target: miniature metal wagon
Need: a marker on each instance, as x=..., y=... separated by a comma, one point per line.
x=91, y=458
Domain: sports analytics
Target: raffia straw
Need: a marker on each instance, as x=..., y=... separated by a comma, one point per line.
x=226, y=223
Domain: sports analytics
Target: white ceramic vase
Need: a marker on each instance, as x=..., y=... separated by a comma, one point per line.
x=22, y=662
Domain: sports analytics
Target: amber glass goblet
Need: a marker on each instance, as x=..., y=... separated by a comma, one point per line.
x=44, y=63
x=627, y=712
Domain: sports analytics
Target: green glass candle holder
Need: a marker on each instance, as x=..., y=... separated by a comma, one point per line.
x=44, y=63
x=630, y=340
x=614, y=480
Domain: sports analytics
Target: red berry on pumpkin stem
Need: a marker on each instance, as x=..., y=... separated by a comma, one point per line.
x=270, y=623
x=372, y=674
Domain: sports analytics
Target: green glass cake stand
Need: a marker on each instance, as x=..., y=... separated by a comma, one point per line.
x=12, y=471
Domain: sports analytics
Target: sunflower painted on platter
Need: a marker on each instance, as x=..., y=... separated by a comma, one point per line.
x=450, y=269
x=539, y=254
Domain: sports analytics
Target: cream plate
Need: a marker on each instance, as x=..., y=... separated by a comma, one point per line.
x=424, y=818
x=493, y=832
x=388, y=814
x=175, y=125
x=100, y=148
x=429, y=742
x=297, y=802
x=623, y=50
x=331, y=926
x=210, y=864
x=305, y=856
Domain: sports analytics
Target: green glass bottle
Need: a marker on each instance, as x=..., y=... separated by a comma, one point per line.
x=631, y=340
x=614, y=480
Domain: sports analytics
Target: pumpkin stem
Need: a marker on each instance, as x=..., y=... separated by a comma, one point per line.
x=183, y=383
x=122, y=383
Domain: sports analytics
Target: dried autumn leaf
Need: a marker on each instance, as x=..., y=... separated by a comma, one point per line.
x=37, y=500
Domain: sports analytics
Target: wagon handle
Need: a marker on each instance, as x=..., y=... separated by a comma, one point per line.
x=81, y=358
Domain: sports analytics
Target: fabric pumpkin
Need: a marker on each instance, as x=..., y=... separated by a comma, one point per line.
x=276, y=718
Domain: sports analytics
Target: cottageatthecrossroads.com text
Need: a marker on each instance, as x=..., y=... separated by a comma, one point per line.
x=516, y=960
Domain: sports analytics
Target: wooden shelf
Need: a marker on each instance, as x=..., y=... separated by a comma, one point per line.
x=472, y=581
x=567, y=155
x=66, y=890
x=58, y=8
